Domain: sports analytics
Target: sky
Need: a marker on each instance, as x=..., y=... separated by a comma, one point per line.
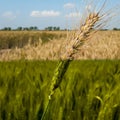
x=44, y=13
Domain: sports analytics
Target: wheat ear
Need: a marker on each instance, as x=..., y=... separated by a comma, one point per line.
x=78, y=39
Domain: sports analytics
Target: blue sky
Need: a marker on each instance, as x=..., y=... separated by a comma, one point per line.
x=42, y=13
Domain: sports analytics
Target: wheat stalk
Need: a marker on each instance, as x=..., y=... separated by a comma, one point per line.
x=78, y=39
x=58, y=75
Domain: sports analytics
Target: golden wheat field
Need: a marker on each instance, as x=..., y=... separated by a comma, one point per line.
x=102, y=45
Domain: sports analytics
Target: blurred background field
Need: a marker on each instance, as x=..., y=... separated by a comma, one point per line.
x=49, y=45
x=13, y=39
x=89, y=90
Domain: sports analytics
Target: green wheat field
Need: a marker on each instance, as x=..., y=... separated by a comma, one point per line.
x=90, y=90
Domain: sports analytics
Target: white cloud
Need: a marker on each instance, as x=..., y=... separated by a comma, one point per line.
x=45, y=13
x=69, y=5
x=73, y=14
x=9, y=15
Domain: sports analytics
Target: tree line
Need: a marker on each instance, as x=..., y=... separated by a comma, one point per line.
x=49, y=28
x=20, y=28
x=32, y=28
x=116, y=29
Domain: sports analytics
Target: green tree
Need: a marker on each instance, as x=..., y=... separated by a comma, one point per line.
x=7, y=28
x=19, y=28
x=31, y=28
x=50, y=28
x=26, y=28
x=116, y=29
x=35, y=28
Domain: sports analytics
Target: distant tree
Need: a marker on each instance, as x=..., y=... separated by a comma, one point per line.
x=46, y=28
x=25, y=28
x=103, y=29
x=50, y=28
x=116, y=28
x=57, y=28
x=31, y=28
x=35, y=28
x=7, y=28
x=19, y=28
x=54, y=28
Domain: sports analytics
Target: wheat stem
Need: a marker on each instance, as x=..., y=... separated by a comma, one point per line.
x=58, y=75
x=79, y=38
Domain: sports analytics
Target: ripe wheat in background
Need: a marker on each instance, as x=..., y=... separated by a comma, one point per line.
x=104, y=45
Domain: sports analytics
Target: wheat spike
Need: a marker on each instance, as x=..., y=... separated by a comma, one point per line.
x=81, y=36
x=75, y=43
